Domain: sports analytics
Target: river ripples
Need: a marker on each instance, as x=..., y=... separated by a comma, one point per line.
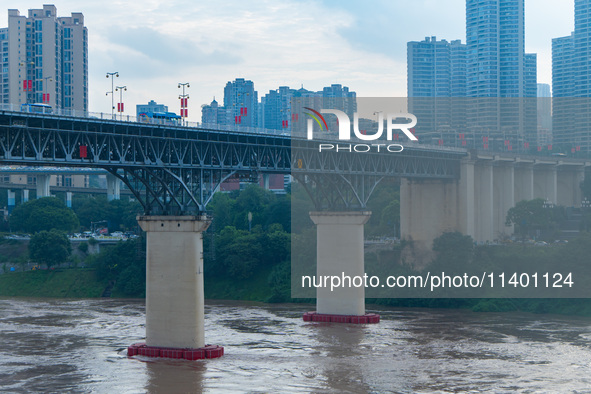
x=80, y=346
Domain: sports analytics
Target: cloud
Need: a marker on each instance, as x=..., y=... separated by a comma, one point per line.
x=274, y=42
x=166, y=50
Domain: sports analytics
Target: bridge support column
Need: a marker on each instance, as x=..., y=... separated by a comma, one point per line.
x=113, y=188
x=174, y=288
x=427, y=209
x=484, y=212
x=524, y=183
x=25, y=195
x=266, y=183
x=11, y=200
x=569, y=192
x=69, y=199
x=545, y=182
x=503, y=198
x=340, y=252
x=467, y=203
x=43, y=186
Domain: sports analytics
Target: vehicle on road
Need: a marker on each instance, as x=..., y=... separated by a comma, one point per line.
x=37, y=108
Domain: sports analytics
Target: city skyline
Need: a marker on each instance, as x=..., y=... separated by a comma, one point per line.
x=274, y=44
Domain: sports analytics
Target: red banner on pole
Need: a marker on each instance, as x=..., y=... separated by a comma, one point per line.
x=83, y=151
x=30, y=84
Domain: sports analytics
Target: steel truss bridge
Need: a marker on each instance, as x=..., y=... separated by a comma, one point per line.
x=175, y=170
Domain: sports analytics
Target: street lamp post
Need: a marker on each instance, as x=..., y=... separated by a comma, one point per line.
x=27, y=83
x=120, y=103
x=115, y=74
x=184, y=98
x=45, y=89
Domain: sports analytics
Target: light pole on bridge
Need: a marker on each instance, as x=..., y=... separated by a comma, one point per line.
x=112, y=75
x=184, y=98
x=45, y=89
x=120, y=103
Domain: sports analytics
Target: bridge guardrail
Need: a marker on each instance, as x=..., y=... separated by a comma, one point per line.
x=196, y=125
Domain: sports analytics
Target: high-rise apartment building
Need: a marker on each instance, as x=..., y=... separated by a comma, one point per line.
x=213, y=114
x=241, y=100
x=500, y=75
x=44, y=59
x=485, y=88
x=571, y=82
x=544, y=109
x=276, y=109
x=280, y=109
x=437, y=87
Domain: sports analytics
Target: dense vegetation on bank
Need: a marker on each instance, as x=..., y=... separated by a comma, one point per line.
x=250, y=260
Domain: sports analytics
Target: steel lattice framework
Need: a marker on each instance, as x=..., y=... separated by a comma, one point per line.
x=176, y=170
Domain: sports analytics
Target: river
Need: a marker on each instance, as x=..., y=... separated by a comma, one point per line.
x=80, y=346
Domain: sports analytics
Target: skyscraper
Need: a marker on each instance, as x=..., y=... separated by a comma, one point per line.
x=499, y=73
x=241, y=100
x=276, y=109
x=436, y=87
x=485, y=88
x=44, y=59
x=571, y=82
x=544, y=114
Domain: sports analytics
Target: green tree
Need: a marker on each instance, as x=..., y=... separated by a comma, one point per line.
x=453, y=249
x=90, y=209
x=50, y=247
x=528, y=215
x=43, y=214
x=119, y=214
x=125, y=263
x=390, y=219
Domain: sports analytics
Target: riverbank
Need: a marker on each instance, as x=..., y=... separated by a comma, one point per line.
x=83, y=283
x=59, y=283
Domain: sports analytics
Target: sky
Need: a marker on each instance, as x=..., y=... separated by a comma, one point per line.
x=156, y=44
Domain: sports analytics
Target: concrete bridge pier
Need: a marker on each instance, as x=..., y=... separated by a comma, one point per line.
x=25, y=195
x=11, y=200
x=340, y=252
x=174, y=289
x=43, y=185
x=113, y=188
x=569, y=193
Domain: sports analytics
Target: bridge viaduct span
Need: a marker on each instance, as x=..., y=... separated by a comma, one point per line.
x=174, y=171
